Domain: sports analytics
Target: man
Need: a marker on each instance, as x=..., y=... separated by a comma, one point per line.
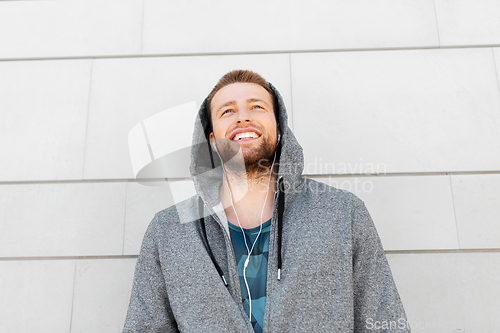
x=259, y=248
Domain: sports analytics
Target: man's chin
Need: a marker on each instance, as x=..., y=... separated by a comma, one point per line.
x=247, y=157
x=258, y=161
x=257, y=158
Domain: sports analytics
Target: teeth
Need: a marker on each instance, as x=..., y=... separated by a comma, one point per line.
x=245, y=135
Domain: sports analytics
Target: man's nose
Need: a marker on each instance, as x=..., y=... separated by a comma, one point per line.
x=244, y=115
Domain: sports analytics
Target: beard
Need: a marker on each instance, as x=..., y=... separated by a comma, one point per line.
x=253, y=162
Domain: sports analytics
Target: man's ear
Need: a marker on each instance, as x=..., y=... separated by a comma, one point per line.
x=212, y=141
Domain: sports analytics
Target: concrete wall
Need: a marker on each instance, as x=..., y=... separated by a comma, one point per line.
x=396, y=101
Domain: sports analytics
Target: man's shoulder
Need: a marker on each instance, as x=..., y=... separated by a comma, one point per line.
x=180, y=212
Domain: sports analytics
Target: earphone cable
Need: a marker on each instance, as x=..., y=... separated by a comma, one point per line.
x=243, y=232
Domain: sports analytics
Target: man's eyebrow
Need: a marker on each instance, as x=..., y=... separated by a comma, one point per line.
x=250, y=100
x=224, y=105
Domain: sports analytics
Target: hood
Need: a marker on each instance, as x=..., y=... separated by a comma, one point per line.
x=205, y=167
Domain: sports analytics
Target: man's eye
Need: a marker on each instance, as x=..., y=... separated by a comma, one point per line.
x=257, y=106
x=224, y=112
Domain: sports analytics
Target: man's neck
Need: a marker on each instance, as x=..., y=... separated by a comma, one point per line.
x=248, y=196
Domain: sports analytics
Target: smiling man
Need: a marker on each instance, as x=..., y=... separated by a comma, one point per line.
x=260, y=248
x=245, y=135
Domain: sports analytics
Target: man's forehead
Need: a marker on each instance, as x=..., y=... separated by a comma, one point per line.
x=248, y=101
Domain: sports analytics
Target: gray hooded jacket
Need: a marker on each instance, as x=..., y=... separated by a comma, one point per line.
x=334, y=273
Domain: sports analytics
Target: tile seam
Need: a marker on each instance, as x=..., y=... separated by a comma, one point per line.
x=437, y=23
x=88, y=116
x=68, y=258
x=124, y=219
x=437, y=251
x=496, y=69
x=142, y=27
x=291, y=90
x=166, y=55
x=73, y=297
x=127, y=180
x=487, y=250
x=454, y=211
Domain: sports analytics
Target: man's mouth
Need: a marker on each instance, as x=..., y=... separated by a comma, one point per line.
x=245, y=136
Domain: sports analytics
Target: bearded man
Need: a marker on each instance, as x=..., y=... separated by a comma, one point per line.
x=260, y=248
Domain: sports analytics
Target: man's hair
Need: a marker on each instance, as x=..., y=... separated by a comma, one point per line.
x=237, y=76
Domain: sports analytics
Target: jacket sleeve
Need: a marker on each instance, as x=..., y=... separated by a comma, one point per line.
x=377, y=305
x=149, y=309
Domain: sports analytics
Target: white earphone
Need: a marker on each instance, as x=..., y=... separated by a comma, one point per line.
x=249, y=250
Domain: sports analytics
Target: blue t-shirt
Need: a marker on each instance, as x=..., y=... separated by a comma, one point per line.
x=256, y=271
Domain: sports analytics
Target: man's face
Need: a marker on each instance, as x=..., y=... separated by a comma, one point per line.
x=243, y=116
